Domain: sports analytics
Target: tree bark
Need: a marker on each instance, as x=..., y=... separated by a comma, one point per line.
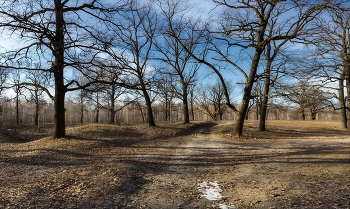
x=97, y=115
x=112, y=118
x=37, y=107
x=150, y=118
x=303, y=114
x=238, y=129
x=192, y=104
x=265, y=97
x=348, y=95
x=165, y=112
x=59, y=110
x=186, y=112
x=112, y=107
x=17, y=105
x=60, y=90
x=342, y=103
x=313, y=115
x=97, y=109
x=81, y=112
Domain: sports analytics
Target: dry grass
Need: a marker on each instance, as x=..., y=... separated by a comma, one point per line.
x=84, y=170
x=285, y=129
x=93, y=166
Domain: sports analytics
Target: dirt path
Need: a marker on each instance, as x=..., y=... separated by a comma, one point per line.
x=106, y=166
x=302, y=173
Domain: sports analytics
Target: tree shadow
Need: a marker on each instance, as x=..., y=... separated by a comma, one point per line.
x=166, y=159
x=45, y=157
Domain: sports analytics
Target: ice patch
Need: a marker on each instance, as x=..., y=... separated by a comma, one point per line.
x=211, y=190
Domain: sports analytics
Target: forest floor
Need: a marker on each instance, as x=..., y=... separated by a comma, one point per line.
x=296, y=164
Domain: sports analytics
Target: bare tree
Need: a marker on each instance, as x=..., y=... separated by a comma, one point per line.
x=173, y=54
x=193, y=90
x=333, y=41
x=310, y=98
x=58, y=31
x=3, y=78
x=132, y=45
x=245, y=26
x=212, y=100
x=37, y=79
x=112, y=94
x=166, y=94
x=16, y=80
x=272, y=50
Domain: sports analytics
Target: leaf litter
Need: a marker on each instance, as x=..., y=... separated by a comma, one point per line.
x=293, y=171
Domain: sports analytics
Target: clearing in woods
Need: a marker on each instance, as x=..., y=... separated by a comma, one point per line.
x=296, y=164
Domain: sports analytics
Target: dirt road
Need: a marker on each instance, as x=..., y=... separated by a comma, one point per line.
x=299, y=173
x=106, y=166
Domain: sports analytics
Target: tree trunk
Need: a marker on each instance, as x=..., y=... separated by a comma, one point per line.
x=17, y=106
x=150, y=118
x=342, y=102
x=59, y=110
x=263, y=109
x=81, y=113
x=141, y=112
x=186, y=112
x=303, y=114
x=37, y=108
x=166, y=108
x=347, y=82
x=192, y=104
x=112, y=109
x=60, y=91
x=257, y=112
x=238, y=129
x=313, y=115
x=97, y=115
x=112, y=117
x=97, y=109
x=265, y=97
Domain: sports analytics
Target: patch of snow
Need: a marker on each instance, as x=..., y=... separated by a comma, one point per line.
x=211, y=190
x=227, y=206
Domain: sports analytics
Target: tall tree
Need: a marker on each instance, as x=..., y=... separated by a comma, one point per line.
x=173, y=55
x=333, y=41
x=37, y=79
x=272, y=73
x=131, y=44
x=245, y=27
x=166, y=94
x=16, y=80
x=59, y=31
x=212, y=99
x=3, y=78
x=310, y=98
